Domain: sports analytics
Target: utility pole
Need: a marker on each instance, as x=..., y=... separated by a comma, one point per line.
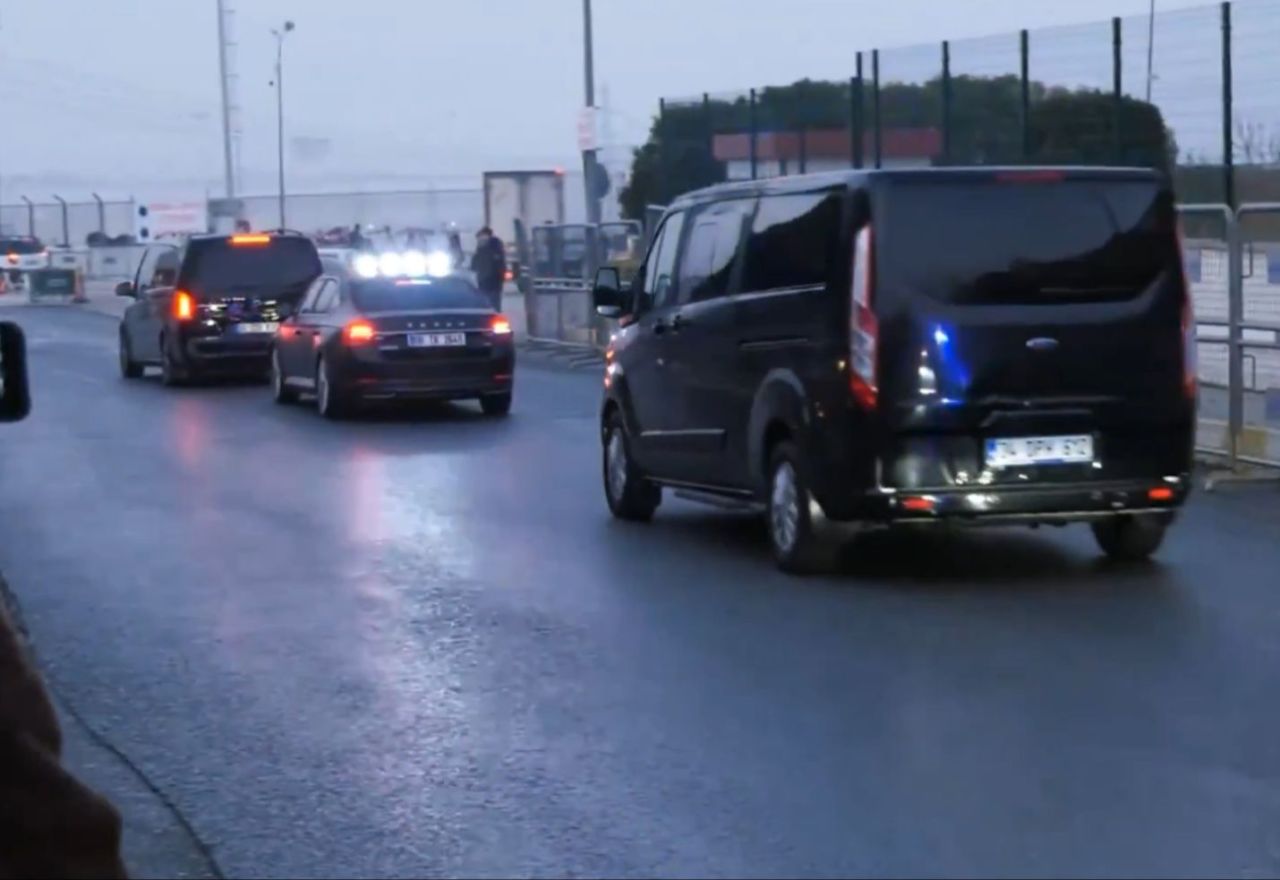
x=228, y=166
x=1151, y=48
x=590, y=169
x=279, y=34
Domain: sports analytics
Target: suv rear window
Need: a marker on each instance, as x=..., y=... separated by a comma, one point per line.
x=1025, y=242
x=440, y=293
x=284, y=264
x=21, y=246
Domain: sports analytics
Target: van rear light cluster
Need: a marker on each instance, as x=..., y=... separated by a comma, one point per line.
x=864, y=327
x=1190, y=347
x=184, y=306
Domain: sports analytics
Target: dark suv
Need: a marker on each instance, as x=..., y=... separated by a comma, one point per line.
x=909, y=347
x=213, y=305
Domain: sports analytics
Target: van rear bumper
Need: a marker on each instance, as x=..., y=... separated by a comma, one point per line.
x=993, y=505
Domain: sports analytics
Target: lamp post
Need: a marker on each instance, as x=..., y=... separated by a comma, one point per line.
x=280, y=33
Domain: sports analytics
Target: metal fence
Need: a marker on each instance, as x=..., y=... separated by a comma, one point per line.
x=1205, y=109
x=67, y=223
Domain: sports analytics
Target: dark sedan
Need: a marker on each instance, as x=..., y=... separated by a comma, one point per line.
x=356, y=340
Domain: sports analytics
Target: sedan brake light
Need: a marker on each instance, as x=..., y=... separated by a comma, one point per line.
x=500, y=325
x=358, y=333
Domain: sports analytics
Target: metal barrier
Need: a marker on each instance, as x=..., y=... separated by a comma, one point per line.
x=563, y=262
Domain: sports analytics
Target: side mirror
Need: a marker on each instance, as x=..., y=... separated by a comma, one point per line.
x=15, y=396
x=606, y=295
x=126, y=288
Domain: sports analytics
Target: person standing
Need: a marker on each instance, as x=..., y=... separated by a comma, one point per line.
x=489, y=263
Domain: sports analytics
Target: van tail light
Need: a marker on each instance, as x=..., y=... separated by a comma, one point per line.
x=500, y=325
x=864, y=327
x=1190, y=347
x=184, y=306
x=358, y=333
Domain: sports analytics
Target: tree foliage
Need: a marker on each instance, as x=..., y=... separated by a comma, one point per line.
x=1064, y=126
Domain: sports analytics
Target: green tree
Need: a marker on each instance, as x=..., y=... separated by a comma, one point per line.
x=1065, y=126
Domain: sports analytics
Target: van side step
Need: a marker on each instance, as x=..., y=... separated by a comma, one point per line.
x=724, y=502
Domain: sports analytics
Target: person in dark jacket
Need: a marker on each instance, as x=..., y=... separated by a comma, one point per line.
x=489, y=262
x=51, y=824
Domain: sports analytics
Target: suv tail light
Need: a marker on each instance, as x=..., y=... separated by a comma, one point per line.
x=864, y=328
x=184, y=306
x=1190, y=348
x=358, y=333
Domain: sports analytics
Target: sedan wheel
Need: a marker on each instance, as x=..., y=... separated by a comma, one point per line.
x=329, y=401
x=279, y=390
x=129, y=368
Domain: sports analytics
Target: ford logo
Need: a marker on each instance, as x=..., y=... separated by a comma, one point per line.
x=1042, y=343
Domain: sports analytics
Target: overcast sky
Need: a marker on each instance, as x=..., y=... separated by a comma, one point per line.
x=92, y=97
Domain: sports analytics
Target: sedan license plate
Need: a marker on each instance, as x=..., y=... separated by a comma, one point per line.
x=436, y=340
x=257, y=327
x=1017, y=451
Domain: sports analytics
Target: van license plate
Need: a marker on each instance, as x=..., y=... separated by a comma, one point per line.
x=436, y=340
x=257, y=327
x=1015, y=451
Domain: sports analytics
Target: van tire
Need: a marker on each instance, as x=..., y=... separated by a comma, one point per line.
x=630, y=496
x=1130, y=538
x=797, y=546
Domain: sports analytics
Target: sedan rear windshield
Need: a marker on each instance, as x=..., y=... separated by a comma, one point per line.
x=1028, y=241
x=21, y=246
x=418, y=295
x=282, y=265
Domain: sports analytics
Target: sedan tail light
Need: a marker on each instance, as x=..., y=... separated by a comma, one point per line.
x=500, y=325
x=358, y=333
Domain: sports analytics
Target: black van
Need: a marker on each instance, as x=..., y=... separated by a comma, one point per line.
x=213, y=305
x=978, y=345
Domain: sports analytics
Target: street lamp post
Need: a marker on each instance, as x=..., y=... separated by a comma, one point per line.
x=279, y=33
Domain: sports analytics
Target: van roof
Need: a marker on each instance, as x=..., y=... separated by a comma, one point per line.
x=859, y=178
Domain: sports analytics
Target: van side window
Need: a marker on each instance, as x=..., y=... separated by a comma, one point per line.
x=793, y=240
x=660, y=274
x=709, y=253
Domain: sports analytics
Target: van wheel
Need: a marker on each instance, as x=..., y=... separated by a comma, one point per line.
x=630, y=495
x=1130, y=538
x=496, y=404
x=170, y=373
x=129, y=368
x=797, y=547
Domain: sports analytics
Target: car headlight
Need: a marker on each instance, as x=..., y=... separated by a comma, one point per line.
x=415, y=263
x=439, y=264
x=391, y=264
x=366, y=266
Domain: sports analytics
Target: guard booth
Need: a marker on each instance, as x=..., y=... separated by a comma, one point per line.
x=563, y=259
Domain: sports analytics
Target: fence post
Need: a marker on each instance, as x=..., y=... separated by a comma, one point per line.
x=1228, y=111
x=102, y=213
x=1024, y=40
x=662, y=149
x=31, y=216
x=1235, y=335
x=857, y=130
x=711, y=134
x=1117, y=87
x=875, y=107
x=754, y=124
x=66, y=226
x=946, y=102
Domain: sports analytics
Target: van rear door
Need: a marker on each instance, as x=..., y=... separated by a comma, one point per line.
x=1031, y=303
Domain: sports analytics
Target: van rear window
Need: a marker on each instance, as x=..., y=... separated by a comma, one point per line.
x=1029, y=242
x=283, y=265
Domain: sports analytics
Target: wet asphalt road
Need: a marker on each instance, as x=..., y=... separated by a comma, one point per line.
x=420, y=646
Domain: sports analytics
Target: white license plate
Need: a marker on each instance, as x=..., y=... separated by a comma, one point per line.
x=436, y=340
x=257, y=327
x=1015, y=451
